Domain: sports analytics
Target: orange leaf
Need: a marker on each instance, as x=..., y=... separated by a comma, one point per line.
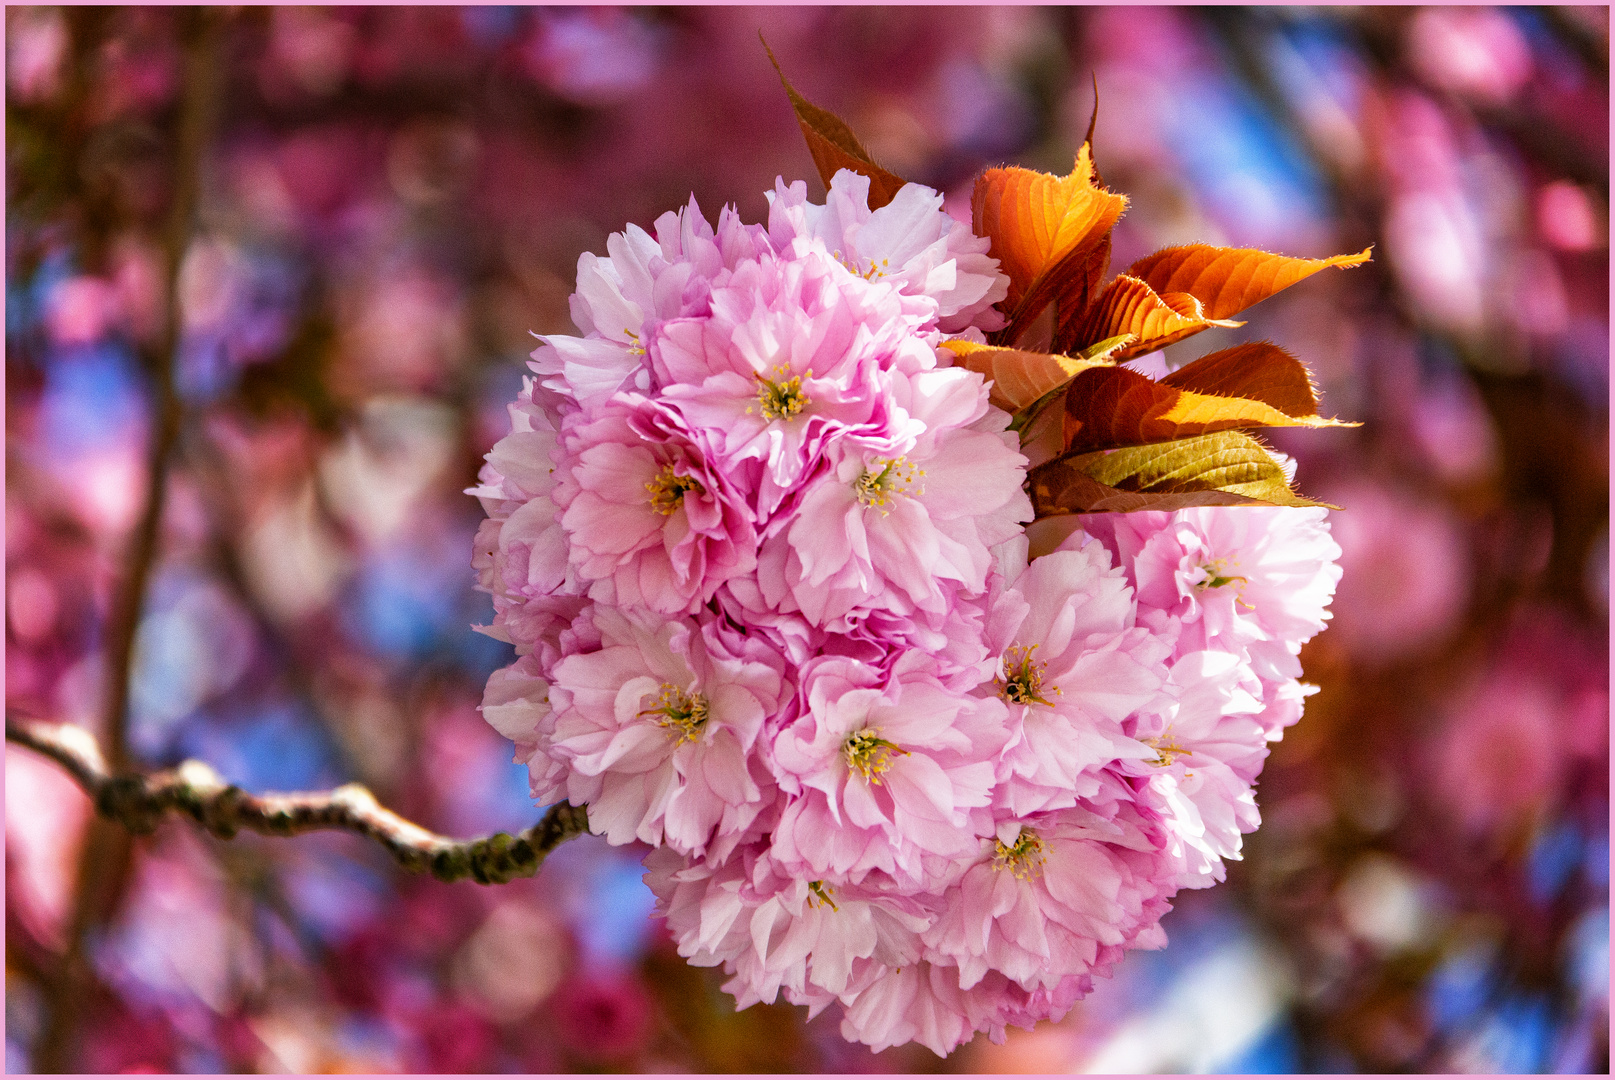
x=1093, y=120
x=1113, y=406
x=1019, y=378
x=1079, y=286
x=834, y=147
x=1129, y=306
x=1229, y=280
x=1079, y=280
x=1040, y=225
x=1258, y=370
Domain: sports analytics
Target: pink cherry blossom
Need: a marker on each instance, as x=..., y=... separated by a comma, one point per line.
x=790, y=356
x=910, y=241
x=642, y=281
x=1048, y=894
x=649, y=519
x=760, y=549
x=521, y=555
x=919, y=1002
x=891, y=521
x=656, y=730
x=1208, y=747
x=1230, y=575
x=775, y=932
x=1073, y=669
x=892, y=776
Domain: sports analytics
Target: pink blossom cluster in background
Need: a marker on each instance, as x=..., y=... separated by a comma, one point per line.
x=760, y=550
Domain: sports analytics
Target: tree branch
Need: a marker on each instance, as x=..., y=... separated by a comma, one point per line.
x=138, y=800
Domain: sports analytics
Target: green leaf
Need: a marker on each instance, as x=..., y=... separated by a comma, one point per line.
x=1103, y=350
x=1227, y=468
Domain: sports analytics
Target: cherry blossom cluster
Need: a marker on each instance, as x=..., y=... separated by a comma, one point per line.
x=760, y=548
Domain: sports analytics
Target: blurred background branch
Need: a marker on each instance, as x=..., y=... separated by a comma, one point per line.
x=103, y=867
x=199, y=34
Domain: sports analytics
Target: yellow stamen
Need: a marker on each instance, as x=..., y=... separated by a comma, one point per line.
x=1217, y=577
x=638, y=347
x=895, y=477
x=682, y=714
x=823, y=893
x=1166, y=748
x=1022, y=683
x=876, y=270
x=667, y=490
x=781, y=398
x=869, y=754
x=1024, y=858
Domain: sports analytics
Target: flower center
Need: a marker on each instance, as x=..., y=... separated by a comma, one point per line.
x=682, y=714
x=876, y=270
x=782, y=398
x=1217, y=575
x=1024, y=858
x=822, y=894
x=895, y=477
x=1166, y=748
x=667, y=490
x=1022, y=683
x=869, y=754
